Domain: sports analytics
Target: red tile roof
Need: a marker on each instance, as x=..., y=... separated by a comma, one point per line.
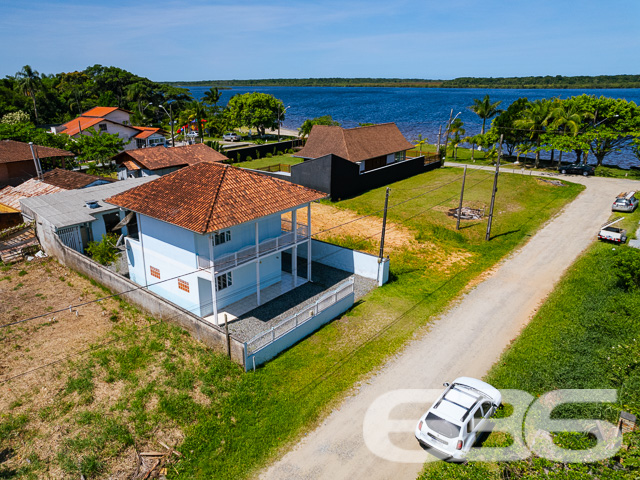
x=70, y=180
x=12, y=151
x=158, y=157
x=146, y=132
x=81, y=123
x=354, y=144
x=211, y=196
x=100, y=111
x=11, y=196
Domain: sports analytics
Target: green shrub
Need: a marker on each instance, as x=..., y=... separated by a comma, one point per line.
x=104, y=251
x=279, y=152
x=257, y=155
x=269, y=155
x=627, y=265
x=248, y=159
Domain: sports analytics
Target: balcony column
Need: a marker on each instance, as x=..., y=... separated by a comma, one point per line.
x=214, y=293
x=294, y=250
x=257, y=264
x=309, y=242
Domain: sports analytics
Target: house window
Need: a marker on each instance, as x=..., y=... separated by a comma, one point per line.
x=155, y=272
x=182, y=285
x=222, y=237
x=223, y=281
x=102, y=127
x=140, y=143
x=400, y=156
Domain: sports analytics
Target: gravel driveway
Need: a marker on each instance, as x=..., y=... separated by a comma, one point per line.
x=466, y=340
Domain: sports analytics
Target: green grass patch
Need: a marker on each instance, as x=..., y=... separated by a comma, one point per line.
x=586, y=335
x=268, y=161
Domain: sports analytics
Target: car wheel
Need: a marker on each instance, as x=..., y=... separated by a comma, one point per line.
x=586, y=174
x=563, y=171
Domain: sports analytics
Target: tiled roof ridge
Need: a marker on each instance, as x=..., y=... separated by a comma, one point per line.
x=215, y=198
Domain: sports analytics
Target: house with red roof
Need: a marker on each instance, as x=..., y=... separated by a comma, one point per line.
x=211, y=235
x=347, y=161
x=160, y=161
x=18, y=160
x=116, y=121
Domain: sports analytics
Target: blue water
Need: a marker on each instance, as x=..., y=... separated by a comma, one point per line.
x=414, y=110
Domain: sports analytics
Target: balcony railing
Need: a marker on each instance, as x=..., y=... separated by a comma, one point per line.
x=246, y=254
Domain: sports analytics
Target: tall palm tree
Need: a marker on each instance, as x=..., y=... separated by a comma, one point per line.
x=567, y=119
x=212, y=97
x=29, y=82
x=485, y=109
x=138, y=92
x=535, y=119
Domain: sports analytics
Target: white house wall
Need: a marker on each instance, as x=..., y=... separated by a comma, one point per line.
x=118, y=116
x=244, y=279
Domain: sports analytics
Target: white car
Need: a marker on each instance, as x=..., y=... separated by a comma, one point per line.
x=453, y=423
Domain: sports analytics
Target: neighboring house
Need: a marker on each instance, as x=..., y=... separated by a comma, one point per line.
x=160, y=161
x=369, y=147
x=80, y=216
x=346, y=162
x=211, y=234
x=115, y=121
x=17, y=162
x=55, y=181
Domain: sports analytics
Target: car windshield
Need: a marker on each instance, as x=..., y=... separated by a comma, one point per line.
x=441, y=426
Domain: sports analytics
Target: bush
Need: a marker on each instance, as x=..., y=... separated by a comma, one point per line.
x=627, y=265
x=104, y=251
x=268, y=155
x=279, y=152
x=257, y=155
x=248, y=159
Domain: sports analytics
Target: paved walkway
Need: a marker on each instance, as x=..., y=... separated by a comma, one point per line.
x=466, y=340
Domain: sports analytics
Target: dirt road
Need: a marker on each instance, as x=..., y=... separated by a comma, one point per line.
x=467, y=340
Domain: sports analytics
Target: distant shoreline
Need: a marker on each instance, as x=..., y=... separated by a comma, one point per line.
x=507, y=83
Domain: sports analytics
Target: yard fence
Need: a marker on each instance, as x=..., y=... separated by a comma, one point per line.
x=287, y=332
x=278, y=167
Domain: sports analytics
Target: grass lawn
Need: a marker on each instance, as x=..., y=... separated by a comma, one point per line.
x=267, y=161
x=586, y=335
x=227, y=424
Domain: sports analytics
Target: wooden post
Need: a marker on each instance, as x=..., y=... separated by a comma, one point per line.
x=493, y=193
x=439, y=136
x=384, y=225
x=464, y=176
x=226, y=333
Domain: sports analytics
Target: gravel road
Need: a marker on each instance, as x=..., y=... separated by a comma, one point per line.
x=466, y=340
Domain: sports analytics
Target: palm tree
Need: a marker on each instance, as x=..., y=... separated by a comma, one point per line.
x=138, y=92
x=535, y=119
x=457, y=129
x=567, y=119
x=212, y=97
x=485, y=109
x=29, y=82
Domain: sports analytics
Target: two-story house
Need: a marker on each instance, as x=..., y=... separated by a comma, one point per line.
x=211, y=234
x=115, y=121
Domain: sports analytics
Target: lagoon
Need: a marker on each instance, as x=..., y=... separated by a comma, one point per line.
x=415, y=110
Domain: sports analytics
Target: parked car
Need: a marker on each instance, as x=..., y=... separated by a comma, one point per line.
x=453, y=423
x=577, y=168
x=231, y=137
x=625, y=202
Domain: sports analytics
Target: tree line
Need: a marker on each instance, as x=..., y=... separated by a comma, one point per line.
x=581, y=126
x=557, y=81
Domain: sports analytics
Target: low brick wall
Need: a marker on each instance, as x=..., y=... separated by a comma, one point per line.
x=155, y=305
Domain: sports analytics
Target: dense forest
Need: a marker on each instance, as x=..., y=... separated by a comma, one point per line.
x=558, y=81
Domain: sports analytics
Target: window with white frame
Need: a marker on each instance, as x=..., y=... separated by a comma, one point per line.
x=400, y=156
x=222, y=237
x=223, y=281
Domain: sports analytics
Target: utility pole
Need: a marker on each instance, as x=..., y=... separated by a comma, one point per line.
x=439, y=136
x=495, y=188
x=447, y=136
x=464, y=177
x=384, y=225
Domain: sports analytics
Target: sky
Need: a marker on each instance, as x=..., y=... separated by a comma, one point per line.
x=219, y=40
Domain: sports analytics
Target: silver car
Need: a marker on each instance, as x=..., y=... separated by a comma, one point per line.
x=625, y=202
x=231, y=137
